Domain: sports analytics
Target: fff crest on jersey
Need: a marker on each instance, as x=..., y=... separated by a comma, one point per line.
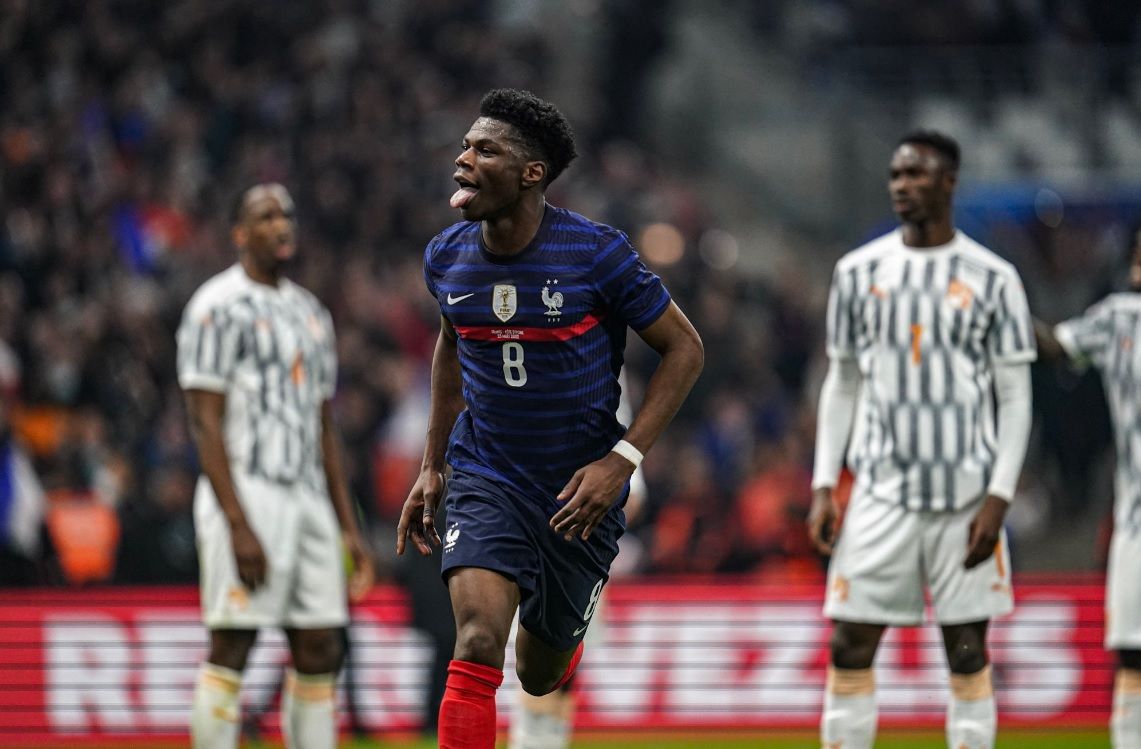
x=504, y=301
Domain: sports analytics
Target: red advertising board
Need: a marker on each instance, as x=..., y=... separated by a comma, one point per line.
x=114, y=663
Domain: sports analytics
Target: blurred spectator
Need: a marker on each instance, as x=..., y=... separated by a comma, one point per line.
x=771, y=509
x=690, y=532
x=157, y=541
x=21, y=495
x=85, y=534
x=21, y=517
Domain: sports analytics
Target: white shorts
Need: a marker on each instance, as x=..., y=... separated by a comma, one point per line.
x=1122, y=593
x=887, y=556
x=299, y=532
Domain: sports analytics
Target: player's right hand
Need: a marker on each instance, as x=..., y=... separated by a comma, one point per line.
x=589, y=495
x=418, y=517
x=249, y=556
x=822, y=520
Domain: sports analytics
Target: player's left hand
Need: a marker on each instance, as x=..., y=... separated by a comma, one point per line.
x=589, y=495
x=985, y=530
x=418, y=516
x=363, y=574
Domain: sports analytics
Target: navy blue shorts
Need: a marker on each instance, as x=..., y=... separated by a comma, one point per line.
x=495, y=526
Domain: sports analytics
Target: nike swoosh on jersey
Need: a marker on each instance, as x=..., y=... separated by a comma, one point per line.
x=580, y=630
x=453, y=300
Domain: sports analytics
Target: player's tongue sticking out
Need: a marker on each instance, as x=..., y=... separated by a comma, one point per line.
x=462, y=197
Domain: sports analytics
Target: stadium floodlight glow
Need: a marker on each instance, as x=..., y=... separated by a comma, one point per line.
x=662, y=244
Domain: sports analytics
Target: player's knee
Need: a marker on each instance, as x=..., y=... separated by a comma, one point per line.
x=537, y=681
x=231, y=648
x=319, y=653
x=850, y=649
x=967, y=662
x=479, y=643
x=1130, y=659
x=966, y=649
x=967, y=655
x=539, y=673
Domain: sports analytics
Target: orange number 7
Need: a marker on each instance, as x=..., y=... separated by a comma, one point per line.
x=916, y=336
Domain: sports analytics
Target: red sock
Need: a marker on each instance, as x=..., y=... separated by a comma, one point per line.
x=570, y=668
x=467, y=712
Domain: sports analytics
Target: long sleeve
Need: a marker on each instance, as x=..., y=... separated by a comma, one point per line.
x=1012, y=391
x=834, y=419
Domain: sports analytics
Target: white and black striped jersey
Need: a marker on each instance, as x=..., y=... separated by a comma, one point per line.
x=271, y=351
x=1108, y=336
x=927, y=327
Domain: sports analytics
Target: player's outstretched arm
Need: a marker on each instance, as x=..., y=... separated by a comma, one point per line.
x=361, y=578
x=418, y=516
x=206, y=410
x=593, y=489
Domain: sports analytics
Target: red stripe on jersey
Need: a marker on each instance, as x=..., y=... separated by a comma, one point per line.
x=510, y=333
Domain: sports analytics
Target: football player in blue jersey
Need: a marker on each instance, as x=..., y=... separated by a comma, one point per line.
x=535, y=305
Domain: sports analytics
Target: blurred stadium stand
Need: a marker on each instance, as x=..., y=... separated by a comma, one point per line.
x=742, y=145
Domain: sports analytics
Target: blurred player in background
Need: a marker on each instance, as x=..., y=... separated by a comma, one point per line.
x=1107, y=337
x=535, y=303
x=273, y=516
x=927, y=332
x=546, y=721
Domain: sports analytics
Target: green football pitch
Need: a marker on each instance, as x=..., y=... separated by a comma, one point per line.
x=1009, y=739
x=886, y=740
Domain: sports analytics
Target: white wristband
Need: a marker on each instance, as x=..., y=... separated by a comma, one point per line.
x=629, y=452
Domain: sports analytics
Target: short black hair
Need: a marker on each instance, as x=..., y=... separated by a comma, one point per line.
x=241, y=200
x=944, y=144
x=545, y=132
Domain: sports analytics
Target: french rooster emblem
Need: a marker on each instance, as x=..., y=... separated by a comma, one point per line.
x=553, y=301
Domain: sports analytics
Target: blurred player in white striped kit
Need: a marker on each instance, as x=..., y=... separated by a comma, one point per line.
x=1107, y=337
x=257, y=364
x=927, y=332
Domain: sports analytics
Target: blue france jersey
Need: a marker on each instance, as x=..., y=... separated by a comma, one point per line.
x=541, y=336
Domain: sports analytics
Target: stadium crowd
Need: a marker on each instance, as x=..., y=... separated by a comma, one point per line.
x=126, y=130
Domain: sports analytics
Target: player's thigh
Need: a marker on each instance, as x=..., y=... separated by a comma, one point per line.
x=226, y=602
x=875, y=575
x=959, y=595
x=531, y=649
x=484, y=604
x=564, y=603
x=1122, y=593
x=318, y=597
x=490, y=527
x=537, y=662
